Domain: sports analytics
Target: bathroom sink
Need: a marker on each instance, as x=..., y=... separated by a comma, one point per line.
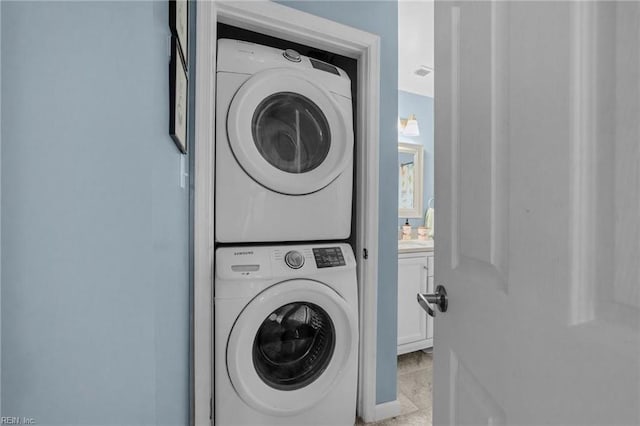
x=415, y=244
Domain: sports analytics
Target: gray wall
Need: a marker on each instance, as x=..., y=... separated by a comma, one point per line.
x=381, y=18
x=94, y=223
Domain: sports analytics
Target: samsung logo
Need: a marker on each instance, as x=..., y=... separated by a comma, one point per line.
x=242, y=253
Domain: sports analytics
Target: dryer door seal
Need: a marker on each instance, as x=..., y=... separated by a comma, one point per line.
x=289, y=134
x=313, y=324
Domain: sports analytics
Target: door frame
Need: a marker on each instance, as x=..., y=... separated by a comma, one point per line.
x=281, y=21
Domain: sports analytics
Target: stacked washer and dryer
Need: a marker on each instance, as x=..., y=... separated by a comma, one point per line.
x=286, y=299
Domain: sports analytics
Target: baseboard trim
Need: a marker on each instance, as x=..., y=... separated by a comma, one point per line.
x=386, y=410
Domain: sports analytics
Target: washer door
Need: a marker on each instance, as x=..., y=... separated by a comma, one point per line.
x=289, y=345
x=288, y=133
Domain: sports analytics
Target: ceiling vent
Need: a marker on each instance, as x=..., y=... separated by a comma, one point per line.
x=423, y=71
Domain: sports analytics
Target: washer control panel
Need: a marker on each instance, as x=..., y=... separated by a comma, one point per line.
x=327, y=257
x=285, y=261
x=294, y=259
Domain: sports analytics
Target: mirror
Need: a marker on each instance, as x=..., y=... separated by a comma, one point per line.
x=409, y=180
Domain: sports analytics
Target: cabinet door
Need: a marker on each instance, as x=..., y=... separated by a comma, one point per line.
x=412, y=324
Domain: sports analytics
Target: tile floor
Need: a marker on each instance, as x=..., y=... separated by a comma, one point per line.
x=415, y=371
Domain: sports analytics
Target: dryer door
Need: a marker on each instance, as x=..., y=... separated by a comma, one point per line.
x=290, y=345
x=288, y=133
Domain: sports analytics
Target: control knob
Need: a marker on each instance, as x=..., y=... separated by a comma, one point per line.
x=294, y=259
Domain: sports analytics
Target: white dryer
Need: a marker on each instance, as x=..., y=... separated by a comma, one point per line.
x=284, y=146
x=286, y=335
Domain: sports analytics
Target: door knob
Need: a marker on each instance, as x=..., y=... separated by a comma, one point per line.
x=439, y=298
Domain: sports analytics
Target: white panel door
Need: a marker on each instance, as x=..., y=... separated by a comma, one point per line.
x=538, y=188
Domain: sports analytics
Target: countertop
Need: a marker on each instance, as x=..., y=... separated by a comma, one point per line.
x=414, y=246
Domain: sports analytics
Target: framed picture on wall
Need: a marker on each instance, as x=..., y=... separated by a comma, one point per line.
x=178, y=89
x=179, y=24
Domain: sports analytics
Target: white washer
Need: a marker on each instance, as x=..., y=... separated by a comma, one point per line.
x=286, y=335
x=284, y=146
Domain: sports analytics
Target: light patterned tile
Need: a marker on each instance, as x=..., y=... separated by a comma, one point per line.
x=414, y=361
x=417, y=387
x=415, y=371
x=406, y=405
x=419, y=418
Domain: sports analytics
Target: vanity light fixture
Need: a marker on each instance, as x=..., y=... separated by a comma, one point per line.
x=408, y=126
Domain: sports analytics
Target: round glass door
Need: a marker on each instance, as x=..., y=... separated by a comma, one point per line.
x=289, y=134
x=293, y=346
x=290, y=345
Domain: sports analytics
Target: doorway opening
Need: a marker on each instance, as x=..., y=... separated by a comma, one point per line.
x=416, y=209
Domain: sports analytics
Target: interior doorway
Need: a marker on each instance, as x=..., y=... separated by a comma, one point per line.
x=416, y=209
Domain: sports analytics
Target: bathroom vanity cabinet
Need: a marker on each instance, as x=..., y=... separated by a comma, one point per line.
x=415, y=275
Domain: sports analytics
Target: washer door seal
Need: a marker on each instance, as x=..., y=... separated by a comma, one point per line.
x=302, y=386
x=293, y=346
